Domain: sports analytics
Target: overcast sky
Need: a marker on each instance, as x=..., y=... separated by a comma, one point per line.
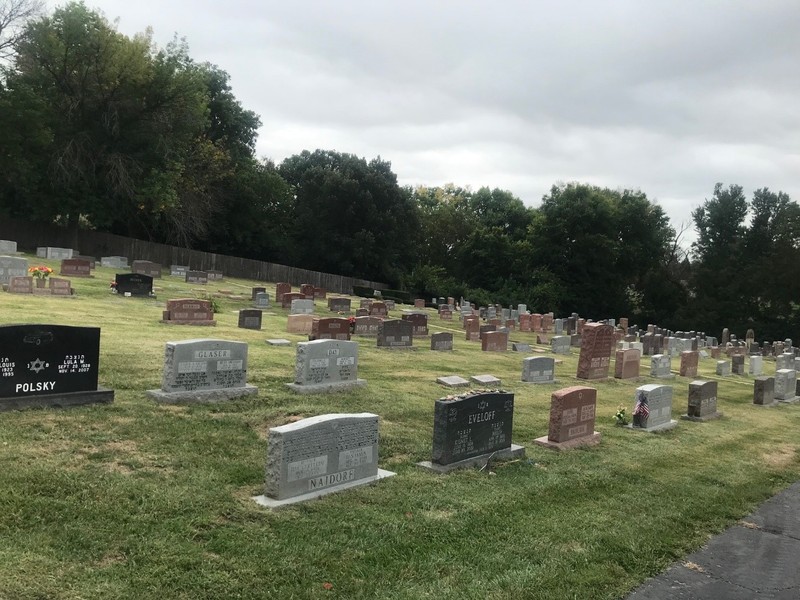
x=666, y=96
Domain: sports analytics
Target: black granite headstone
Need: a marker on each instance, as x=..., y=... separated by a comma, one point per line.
x=134, y=283
x=471, y=425
x=395, y=333
x=250, y=318
x=48, y=360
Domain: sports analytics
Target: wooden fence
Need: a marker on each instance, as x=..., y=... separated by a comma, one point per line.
x=29, y=236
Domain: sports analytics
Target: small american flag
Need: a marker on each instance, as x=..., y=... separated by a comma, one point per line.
x=641, y=410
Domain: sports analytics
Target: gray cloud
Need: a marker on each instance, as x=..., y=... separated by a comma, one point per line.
x=665, y=96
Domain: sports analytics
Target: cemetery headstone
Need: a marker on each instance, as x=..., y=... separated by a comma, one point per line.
x=597, y=343
x=378, y=309
x=8, y=247
x=330, y=328
x=76, y=267
x=45, y=365
x=188, y=311
x=560, y=344
x=627, y=363
x=786, y=385
x=339, y=305
x=572, y=418
x=203, y=371
x=764, y=391
x=702, y=401
x=320, y=293
x=737, y=364
x=178, y=271
x=299, y=323
x=54, y=253
x=652, y=409
x=367, y=326
x=262, y=300
x=395, y=334
x=12, y=266
x=301, y=306
x=114, y=262
x=60, y=287
x=419, y=323
x=257, y=290
x=660, y=365
x=288, y=297
x=723, y=368
x=250, y=318
x=146, y=267
x=307, y=289
x=320, y=455
x=452, y=381
x=521, y=347
x=134, y=284
x=214, y=275
x=494, y=341
x=326, y=366
x=689, y=361
x=472, y=327
x=472, y=429
x=280, y=290
x=442, y=342
x=538, y=369
x=197, y=277
x=20, y=285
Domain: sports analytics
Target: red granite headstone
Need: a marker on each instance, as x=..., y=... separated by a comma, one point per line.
x=280, y=290
x=597, y=343
x=494, y=341
x=572, y=413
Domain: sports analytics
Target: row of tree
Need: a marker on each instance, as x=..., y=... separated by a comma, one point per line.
x=109, y=132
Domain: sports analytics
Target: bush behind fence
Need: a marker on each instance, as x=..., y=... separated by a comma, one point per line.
x=29, y=236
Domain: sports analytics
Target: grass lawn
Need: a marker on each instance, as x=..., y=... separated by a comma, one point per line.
x=139, y=500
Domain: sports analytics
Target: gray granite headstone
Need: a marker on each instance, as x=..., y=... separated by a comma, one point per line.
x=784, y=361
x=723, y=368
x=395, y=333
x=8, y=247
x=114, y=262
x=12, y=266
x=702, y=401
x=54, y=253
x=203, y=370
x=660, y=365
x=178, y=270
x=785, y=385
x=302, y=307
x=560, y=344
x=262, y=300
x=653, y=408
x=538, y=369
x=756, y=366
x=326, y=365
x=319, y=455
x=520, y=347
x=764, y=391
x=442, y=342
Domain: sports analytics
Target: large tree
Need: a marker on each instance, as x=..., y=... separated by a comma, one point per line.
x=348, y=216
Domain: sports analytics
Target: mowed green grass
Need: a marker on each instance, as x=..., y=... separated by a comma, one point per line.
x=138, y=500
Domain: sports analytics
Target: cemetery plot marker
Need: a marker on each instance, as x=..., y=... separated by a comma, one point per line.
x=188, y=311
x=764, y=391
x=597, y=343
x=702, y=401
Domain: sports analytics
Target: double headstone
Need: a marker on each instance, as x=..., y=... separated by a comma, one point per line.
x=660, y=365
x=325, y=366
x=538, y=369
x=114, y=262
x=331, y=328
x=339, y=304
x=786, y=385
x=572, y=418
x=12, y=266
x=133, y=284
x=54, y=253
x=627, y=363
x=188, y=311
x=76, y=267
x=702, y=401
x=472, y=429
x=442, y=342
x=395, y=333
x=146, y=267
x=178, y=271
x=196, y=277
x=49, y=365
x=320, y=455
x=203, y=371
x=250, y=318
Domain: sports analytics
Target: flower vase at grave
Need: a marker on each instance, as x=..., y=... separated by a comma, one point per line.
x=41, y=282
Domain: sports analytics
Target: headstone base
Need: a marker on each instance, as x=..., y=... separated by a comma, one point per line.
x=206, y=323
x=273, y=504
x=506, y=454
x=790, y=400
x=663, y=427
x=541, y=382
x=670, y=376
x=202, y=396
x=324, y=388
x=704, y=418
x=396, y=348
x=768, y=404
x=99, y=396
x=589, y=440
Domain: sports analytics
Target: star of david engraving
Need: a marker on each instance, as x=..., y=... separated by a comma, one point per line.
x=37, y=365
